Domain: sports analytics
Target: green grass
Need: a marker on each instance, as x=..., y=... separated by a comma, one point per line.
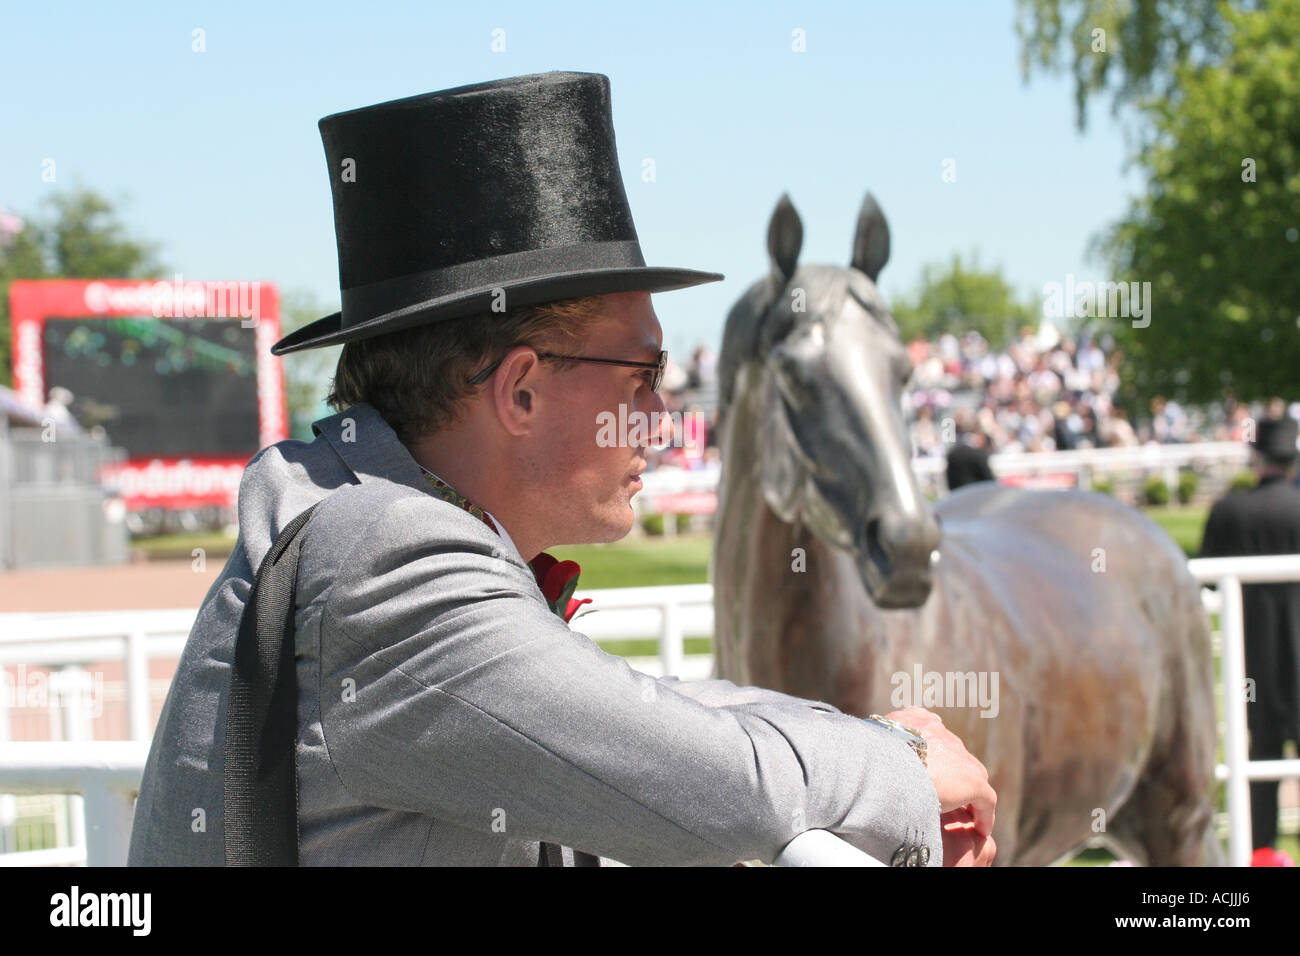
x=641, y=562
x=183, y=545
x=650, y=648
x=1184, y=524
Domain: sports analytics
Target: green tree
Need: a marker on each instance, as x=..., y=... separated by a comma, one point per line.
x=1141, y=44
x=78, y=237
x=1217, y=233
x=957, y=297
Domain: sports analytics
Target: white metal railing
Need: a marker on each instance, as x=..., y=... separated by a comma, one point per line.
x=1238, y=770
x=70, y=640
x=67, y=640
x=823, y=848
x=107, y=774
x=104, y=773
x=1144, y=457
x=1153, y=457
x=78, y=768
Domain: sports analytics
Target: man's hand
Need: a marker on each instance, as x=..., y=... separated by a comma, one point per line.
x=963, y=845
x=966, y=798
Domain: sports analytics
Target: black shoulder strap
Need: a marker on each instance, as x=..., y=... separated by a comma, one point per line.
x=260, y=814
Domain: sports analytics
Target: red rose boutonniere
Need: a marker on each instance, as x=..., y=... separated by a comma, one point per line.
x=558, y=580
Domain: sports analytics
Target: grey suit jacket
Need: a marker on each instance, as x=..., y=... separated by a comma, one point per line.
x=447, y=717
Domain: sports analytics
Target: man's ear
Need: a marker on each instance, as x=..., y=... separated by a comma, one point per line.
x=514, y=389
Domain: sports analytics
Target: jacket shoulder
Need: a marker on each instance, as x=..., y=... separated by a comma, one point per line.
x=397, y=511
x=384, y=525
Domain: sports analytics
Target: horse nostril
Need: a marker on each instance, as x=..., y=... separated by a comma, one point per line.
x=876, y=549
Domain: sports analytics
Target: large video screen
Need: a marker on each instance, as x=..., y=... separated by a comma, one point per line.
x=160, y=387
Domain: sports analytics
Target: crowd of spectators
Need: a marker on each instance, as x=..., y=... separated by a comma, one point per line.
x=1047, y=390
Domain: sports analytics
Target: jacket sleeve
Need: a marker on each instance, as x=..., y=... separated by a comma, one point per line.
x=474, y=703
x=724, y=693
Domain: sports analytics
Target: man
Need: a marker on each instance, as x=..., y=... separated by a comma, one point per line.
x=1266, y=520
x=495, y=303
x=968, y=460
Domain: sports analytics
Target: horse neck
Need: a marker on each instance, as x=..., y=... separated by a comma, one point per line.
x=760, y=548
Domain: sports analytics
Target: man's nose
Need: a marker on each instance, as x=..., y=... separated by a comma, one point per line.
x=661, y=423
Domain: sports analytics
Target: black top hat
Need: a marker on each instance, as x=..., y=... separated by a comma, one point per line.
x=442, y=199
x=1275, y=439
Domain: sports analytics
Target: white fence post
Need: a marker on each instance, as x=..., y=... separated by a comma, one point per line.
x=8, y=802
x=66, y=686
x=109, y=814
x=1234, y=716
x=671, y=642
x=137, y=686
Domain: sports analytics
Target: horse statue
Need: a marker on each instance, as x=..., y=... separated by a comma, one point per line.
x=1059, y=634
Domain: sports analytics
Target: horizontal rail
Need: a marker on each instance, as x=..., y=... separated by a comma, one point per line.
x=823, y=848
x=105, y=773
x=108, y=773
x=1256, y=569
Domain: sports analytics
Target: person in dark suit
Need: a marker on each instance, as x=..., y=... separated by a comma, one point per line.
x=968, y=461
x=1266, y=520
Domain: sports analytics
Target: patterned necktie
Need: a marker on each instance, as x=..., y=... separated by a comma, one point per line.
x=548, y=854
x=449, y=494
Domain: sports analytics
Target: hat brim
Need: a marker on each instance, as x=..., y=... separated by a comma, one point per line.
x=532, y=291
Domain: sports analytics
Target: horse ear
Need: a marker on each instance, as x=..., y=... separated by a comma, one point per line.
x=784, y=238
x=871, y=241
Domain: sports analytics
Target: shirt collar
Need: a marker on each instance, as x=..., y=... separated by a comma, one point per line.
x=465, y=503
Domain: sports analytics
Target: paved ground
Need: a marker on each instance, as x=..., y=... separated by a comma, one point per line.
x=152, y=584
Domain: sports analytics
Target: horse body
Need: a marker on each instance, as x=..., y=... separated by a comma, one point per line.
x=1077, y=612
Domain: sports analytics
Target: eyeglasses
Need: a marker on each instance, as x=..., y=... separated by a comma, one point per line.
x=658, y=366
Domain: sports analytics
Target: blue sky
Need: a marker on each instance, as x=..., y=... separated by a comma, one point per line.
x=217, y=157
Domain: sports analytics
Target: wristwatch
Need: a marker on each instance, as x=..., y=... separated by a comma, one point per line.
x=910, y=735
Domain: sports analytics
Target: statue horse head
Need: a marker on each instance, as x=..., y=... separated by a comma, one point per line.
x=815, y=356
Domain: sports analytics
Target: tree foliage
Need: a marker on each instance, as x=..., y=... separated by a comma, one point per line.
x=1142, y=44
x=1222, y=252
x=956, y=297
x=79, y=236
